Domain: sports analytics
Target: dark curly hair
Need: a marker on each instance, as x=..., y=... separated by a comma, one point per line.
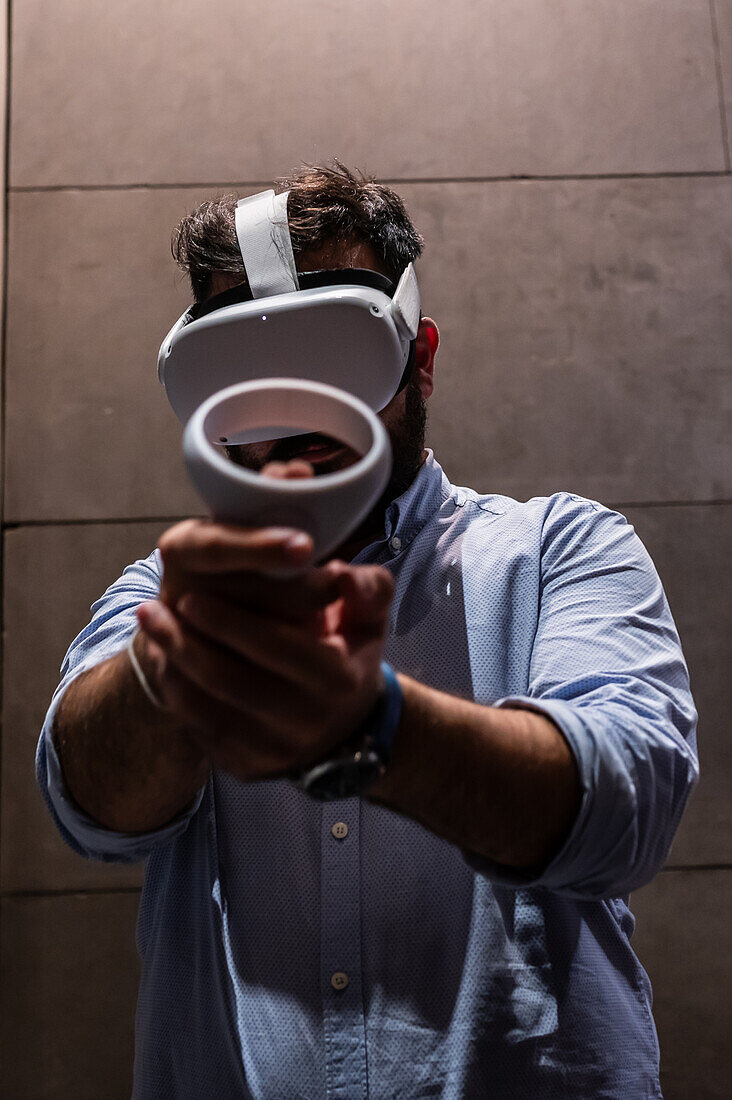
x=326, y=206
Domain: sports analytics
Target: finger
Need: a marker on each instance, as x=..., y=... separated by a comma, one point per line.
x=213, y=669
x=292, y=599
x=237, y=707
x=203, y=546
x=216, y=671
x=299, y=654
x=295, y=468
x=153, y=658
x=230, y=737
x=367, y=592
x=159, y=625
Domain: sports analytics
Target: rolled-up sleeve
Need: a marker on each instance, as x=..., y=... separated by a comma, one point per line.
x=607, y=668
x=113, y=621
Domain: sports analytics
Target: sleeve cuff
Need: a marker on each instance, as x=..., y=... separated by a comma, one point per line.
x=569, y=869
x=85, y=835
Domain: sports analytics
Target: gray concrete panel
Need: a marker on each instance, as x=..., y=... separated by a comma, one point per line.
x=683, y=938
x=586, y=336
x=408, y=89
x=94, y=436
x=70, y=977
x=52, y=576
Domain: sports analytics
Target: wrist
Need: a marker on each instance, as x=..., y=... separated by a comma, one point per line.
x=362, y=760
x=379, y=726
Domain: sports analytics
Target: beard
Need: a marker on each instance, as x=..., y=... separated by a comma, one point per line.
x=407, y=447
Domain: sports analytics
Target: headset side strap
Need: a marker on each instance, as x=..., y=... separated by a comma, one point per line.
x=163, y=353
x=405, y=304
x=264, y=240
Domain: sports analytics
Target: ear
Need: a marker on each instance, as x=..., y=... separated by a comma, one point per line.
x=428, y=341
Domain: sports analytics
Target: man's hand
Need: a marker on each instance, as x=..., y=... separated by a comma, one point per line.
x=268, y=675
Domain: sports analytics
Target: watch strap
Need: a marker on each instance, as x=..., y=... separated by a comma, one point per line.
x=381, y=725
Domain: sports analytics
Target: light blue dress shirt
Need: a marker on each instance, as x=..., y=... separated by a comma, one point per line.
x=297, y=949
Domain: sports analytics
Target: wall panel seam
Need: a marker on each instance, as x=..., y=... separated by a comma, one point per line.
x=676, y=867
x=720, y=83
x=101, y=891
x=18, y=525
x=70, y=892
x=7, y=15
x=396, y=180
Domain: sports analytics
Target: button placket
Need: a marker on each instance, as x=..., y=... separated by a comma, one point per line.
x=344, y=1021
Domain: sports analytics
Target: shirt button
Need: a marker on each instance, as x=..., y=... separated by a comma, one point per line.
x=339, y=980
x=339, y=830
x=395, y=543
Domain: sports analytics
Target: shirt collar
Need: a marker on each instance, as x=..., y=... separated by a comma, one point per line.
x=406, y=515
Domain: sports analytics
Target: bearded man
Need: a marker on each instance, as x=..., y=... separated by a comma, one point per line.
x=460, y=929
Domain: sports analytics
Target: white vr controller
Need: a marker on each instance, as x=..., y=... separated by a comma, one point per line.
x=346, y=342
x=329, y=507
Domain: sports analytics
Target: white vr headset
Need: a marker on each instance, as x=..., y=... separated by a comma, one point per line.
x=351, y=328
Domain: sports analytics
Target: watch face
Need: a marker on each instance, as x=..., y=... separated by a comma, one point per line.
x=343, y=778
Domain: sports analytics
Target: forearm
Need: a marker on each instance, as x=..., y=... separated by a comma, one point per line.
x=502, y=783
x=128, y=765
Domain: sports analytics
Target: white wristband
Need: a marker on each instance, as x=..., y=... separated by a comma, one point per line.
x=137, y=668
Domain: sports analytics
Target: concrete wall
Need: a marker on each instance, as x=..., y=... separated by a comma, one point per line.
x=569, y=165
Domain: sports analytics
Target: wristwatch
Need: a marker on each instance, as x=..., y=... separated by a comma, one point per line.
x=362, y=759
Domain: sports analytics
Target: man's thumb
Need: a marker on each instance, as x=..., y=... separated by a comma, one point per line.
x=367, y=591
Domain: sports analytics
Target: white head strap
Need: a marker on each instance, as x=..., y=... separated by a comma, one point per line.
x=264, y=240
